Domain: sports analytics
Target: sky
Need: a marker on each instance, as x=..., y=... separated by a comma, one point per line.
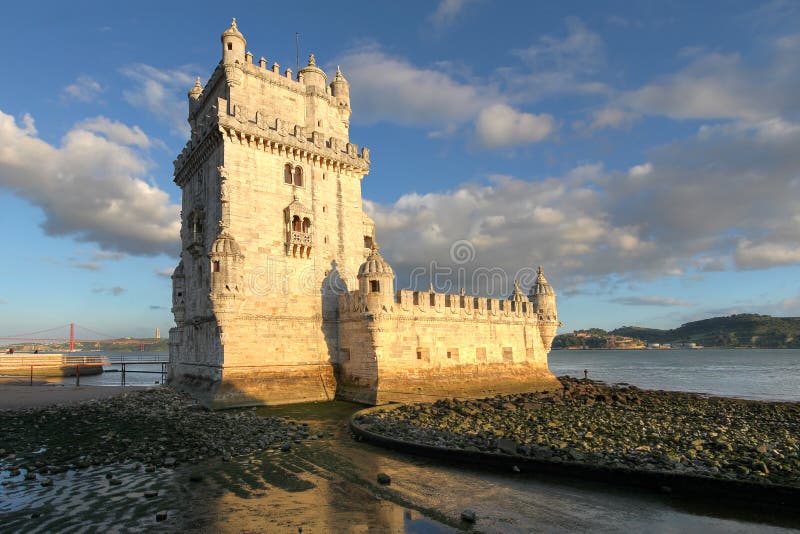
x=644, y=153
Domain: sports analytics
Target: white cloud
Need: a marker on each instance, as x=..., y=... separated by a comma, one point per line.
x=558, y=65
x=722, y=200
x=726, y=87
x=90, y=188
x=116, y=131
x=648, y=300
x=88, y=265
x=113, y=291
x=447, y=12
x=162, y=93
x=84, y=89
x=610, y=117
x=500, y=125
x=760, y=255
x=639, y=171
x=581, y=50
x=392, y=89
x=103, y=255
x=165, y=273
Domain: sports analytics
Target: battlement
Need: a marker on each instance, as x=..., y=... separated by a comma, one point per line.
x=431, y=303
x=269, y=175
x=279, y=136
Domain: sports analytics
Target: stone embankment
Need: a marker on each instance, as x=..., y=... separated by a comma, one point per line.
x=156, y=427
x=611, y=429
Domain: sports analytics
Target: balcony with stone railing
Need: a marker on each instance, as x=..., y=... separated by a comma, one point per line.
x=301, y=238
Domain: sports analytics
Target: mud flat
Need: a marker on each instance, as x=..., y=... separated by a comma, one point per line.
x=670, y=441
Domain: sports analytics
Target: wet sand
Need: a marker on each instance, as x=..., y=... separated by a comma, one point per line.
x=15, y=396
x=329, y=485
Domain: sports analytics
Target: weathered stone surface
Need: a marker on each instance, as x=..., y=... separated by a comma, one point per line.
x=281, y=294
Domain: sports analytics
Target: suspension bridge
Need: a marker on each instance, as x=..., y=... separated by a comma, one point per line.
x=71, y=333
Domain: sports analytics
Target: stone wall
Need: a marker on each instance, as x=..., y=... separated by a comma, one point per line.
x=431, y=345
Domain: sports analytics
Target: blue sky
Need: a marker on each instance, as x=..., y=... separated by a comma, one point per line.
x=645, y=153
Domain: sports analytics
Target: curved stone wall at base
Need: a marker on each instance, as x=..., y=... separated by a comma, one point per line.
x=462, y=381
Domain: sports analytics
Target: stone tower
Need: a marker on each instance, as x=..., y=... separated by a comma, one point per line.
x=543, y=297
x=273, y=231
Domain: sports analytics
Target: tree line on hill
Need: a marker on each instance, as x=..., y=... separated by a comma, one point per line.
x=740, y=330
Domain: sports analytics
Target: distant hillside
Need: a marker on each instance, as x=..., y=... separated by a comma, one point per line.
x=742, y=330
x=117, y=345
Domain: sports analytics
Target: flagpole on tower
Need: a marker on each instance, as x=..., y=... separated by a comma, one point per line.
x=297, y=51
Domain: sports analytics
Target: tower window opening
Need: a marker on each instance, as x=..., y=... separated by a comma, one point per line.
x=306, y=225
x=230, y=46
x=319, y=123
x=215, y=266
x=374, y=286
x=287, y=174
x=433, y=299
x=298, y=176
x=297, y=224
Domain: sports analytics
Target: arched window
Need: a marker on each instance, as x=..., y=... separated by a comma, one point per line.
x=298, y=176
x=306, y=225
x=287, y=174
x=297, y=224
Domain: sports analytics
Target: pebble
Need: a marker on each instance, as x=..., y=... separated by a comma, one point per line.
x=163, y=427
x=161, y=515
x=384, y=479
x=469, y=515
x=628, y=427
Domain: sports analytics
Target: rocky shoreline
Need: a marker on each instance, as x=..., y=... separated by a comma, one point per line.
x=614, y=427
x=157, y=427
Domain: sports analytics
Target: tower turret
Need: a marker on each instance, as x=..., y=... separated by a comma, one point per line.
x=313, y=76
x=340, y=88
x=543, y=297
x=195, y=92
x=376, y=281
x=233, y=44
x=178, y=296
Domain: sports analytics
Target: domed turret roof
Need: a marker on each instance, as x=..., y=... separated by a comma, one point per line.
x=517, y=295
x=541, y=287
x=339, y=77
x=233, y=31
x=197, y=90
x=375, y=264
x=225, y=245
x=312, y=67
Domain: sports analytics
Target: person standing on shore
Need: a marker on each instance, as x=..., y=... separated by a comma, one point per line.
x=586, y=374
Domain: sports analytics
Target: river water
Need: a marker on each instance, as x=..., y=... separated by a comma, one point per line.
x=329, y=485
x=762, y=374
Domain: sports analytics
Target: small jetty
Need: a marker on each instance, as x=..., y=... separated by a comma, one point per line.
x=51, y=365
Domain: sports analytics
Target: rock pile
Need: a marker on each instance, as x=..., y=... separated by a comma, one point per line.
x=618, y=426
x=156, y=427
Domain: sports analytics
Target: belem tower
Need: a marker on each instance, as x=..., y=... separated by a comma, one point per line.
x=282, y=295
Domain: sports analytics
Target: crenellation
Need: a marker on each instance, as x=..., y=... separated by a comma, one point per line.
x=281, y=294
